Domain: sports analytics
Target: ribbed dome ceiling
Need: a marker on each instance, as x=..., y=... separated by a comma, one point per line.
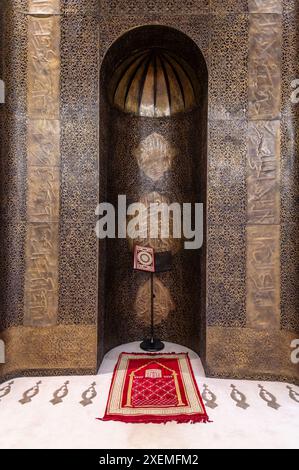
x=154, y=83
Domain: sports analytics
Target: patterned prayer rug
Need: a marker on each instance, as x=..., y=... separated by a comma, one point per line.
x=154, y=388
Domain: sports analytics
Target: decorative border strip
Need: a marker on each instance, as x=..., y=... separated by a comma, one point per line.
x=263, y=166
x=43, y=162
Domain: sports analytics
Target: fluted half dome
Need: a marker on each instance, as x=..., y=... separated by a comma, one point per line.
x=154, y=82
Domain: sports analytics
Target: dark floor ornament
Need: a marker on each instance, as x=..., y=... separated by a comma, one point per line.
x=60, y=394
x=293, y=394
x=88, y=395
x=269, y=398
x=239, y=398
x=30, y=393
x=209, y=397
x=5, y=390
x=152, y=345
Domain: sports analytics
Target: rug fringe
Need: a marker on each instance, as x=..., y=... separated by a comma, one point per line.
x=156, y=354
x=157, y=420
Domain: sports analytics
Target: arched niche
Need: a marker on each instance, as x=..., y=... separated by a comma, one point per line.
x=153, y=146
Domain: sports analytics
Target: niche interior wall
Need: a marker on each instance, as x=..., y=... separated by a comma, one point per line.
x=154, y=105
x=51, y=134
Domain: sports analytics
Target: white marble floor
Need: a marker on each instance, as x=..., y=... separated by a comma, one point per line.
x=68, y=424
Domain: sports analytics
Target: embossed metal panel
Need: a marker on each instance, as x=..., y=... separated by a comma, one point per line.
x=43, y=160
x=263, y=276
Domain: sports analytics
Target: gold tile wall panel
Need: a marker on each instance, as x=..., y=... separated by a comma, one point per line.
x=56, y=347
x=251, y=354
x=265, y=6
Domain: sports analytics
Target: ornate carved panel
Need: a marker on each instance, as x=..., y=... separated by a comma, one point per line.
x=163, y=303
x=228, y=7
x=265, y=6
x=43, y=67
x=43, y=142
x=154, y=156
x=265, y=37
x=263, y=165
x=43, y=194
x=46, y=7
x=263, y=172
x=228, y=90
x=263, y=276
x=140, y=234
x=41, y=281
x=43, y=159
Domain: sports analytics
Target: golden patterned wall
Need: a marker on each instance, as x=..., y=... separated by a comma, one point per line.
x=51, y=168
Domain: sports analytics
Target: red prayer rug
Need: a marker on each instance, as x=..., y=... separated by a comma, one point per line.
x=154, y=388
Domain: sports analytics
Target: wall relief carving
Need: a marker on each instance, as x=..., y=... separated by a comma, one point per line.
x=44, y=7
x=41, y=281
x=263, y=276
x=142, y=236
x=265, y=37
x=43, y=159
x=163, y=303
x=263, y=172
x=154, y=156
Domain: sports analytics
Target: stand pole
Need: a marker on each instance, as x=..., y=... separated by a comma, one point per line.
x=152, y=307
x=153, y=344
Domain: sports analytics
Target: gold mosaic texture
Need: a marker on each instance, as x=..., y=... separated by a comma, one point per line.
x=43, y=74
x=290, y=172
x=43, y=159
x=137, y=7
x=56, y=347
x=250, y=354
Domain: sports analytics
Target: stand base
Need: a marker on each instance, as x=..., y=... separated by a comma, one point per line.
x=152, y=345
